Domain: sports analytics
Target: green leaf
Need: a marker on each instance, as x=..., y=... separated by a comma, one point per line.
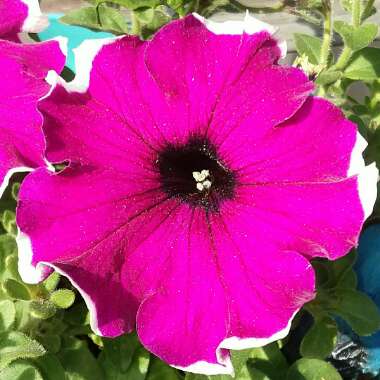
x=16, y=290
x=22, y=315
x=8, y=248
x=79, y=363
x=194, y=376
x=269, y=360
x=174, y=4
x=309, y=46
x=11, y=263
x=367, y=11
x=144, y=15
x=312, y=369
x=328, y=77
x=15, y=190
x=330, y=274
x=346, y=5
x=120, y=350
x=63, y=298
x=356, y=38
x=349, y=280
x=52, y=281
x=321, y=272
x=160, y=18
x=16, y=345
x=134, y=4
x=320, y=340
x=140, y=364
x=124, y=357
x=357, y=309
x=77, y=315
x=158, y=370
x=263, y=363
x=50, y=367
x=9, y=222
x=20, y=371
x=7, y=315
x=101, y=18
x=42, y=309
x=364, y=65
x=52, y=343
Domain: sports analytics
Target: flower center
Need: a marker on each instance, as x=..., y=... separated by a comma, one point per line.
x=194, y=173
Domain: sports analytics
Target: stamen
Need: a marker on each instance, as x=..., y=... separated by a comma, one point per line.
x=201, y=178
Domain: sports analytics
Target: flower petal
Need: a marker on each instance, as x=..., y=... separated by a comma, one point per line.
x=316, y=145
x=262, y=99
x=316, y=219
x=297, y=172
x=198, y=66
x=215, y=294
x=20, y=16
x=89, y=212
x=266, y=284
x=21, y=139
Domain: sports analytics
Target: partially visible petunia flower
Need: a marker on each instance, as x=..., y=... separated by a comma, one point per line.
x=202, y=178
x=18, y=16
x=24, y=69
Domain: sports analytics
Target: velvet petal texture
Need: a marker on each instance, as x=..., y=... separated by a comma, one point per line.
x=18, y=16
x=197, y=263
x=23, y=83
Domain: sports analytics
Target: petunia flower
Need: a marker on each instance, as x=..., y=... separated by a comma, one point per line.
x=18, y=16
x=24, y=69
x=202, y=178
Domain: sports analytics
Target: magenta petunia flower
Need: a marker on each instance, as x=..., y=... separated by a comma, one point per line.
x=18, y=16
x=202, y=178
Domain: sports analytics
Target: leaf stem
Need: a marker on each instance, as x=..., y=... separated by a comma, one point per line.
x=346, y=54
x=343, y=59
x=327, y=32
x=356, y=13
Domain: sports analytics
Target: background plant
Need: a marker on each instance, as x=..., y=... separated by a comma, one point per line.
x=44, y=329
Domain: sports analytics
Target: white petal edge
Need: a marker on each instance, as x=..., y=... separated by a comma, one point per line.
x=31, y=274
x=234, y=343
x=8, y=175
x=35, y=22
x=84, y=56
x=357, y=162
x=249, y=24
x=224, y=366
x=368, y=176
x=367, y=188
x=52, y=76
